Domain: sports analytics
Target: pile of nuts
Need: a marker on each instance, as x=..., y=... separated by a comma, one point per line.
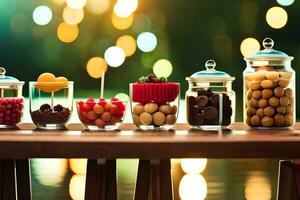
x=269, y=99
x=154, y=114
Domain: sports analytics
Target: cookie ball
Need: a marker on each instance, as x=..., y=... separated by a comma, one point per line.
x=289, y=109
x=260, y=112
x=267, y=93
x=269, y=111
x=138, y=109
x=159, y=118
x=273, y=76
x=146, y=118
x=254, y=85
x=280, y=109
x=267, y=121
x=287, y=75
x=283, y=82
x=259, y=76
x=288, y=120
x=248, y=121
x=255, y=120
x=284, y=101
x=288, y=92
x=278, y=120
x=273, y=101
x=171, y=119
x=136, y=119
x=249, y=94
x=151, y=107
x=166, y=109
x=266, y=84
x=250, y=111
x=174, y=109
x=278, y=91
x=253, y=103
x=262, y=103
x=256, y=94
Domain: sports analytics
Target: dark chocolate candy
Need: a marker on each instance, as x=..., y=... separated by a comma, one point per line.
x=215, y=99
x=211, y=112
x=202, y=100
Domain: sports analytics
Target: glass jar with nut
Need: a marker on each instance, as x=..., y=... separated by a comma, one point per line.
x=269, y=88
x=210, y=100
x=154, y=103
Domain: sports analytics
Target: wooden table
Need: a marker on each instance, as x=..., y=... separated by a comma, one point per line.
x=153, y=148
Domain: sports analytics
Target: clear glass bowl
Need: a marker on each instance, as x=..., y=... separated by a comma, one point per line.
x=154, y=106
x=101, y=115
x=51, y=104
x=11, y=111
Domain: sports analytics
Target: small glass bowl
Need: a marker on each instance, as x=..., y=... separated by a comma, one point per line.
x=101, y=115
x=11, y=111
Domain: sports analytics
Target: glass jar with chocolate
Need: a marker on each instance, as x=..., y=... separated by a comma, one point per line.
x=210, y=100
x=51, y=101
x=269, y=88
x=11, y=100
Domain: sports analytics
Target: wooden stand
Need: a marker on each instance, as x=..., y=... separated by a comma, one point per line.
x=101, y=181
x=15, y=181
x=154, y=175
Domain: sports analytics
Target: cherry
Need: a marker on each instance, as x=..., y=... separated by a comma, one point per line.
x=98, y=109
x=100, y=123
x=85, y=107
x=106, y=116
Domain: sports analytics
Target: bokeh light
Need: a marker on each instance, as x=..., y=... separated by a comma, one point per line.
x=77, y=187
x=42, y=15
x=258, y=186
x=285, y=2
x=59, y=2
x=249, y=46
x=114, y=56
x=67, y=33
x=73, y=16
x=121, y=23
x=97, y=6
x=162, y=68
x=128, y=44
x=124, y=8
x=146, y=41
x=76, y=4
x=78, y=165
x=193, y=166
x=122, y=97
x=96, y=66
x=192, y=186
x=276, y=17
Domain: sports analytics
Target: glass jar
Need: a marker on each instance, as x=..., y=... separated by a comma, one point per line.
x=51, y=104
x=11, y=100
x=154, y=103
x=210, y=100
x=269, y=88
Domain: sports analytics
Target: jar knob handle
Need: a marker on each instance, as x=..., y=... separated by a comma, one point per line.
x=210, y=64
x=268, y=43
x=2, y=71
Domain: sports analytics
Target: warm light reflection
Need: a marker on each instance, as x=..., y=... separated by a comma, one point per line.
x=73, y=16
x=193, y=165
x=249, y=46
x=124, y=8
x=42, y=15
x=76, y=4
x=276, y=17
x=192, y=187
x=97, y=6
x=128, y=44
x=121, y=23
x=96, y=66
x=67, y=33
x=77, y=187
x=163, y=68
x=258, y=187
x=78, y=165
x=114, y=56
x=49, y=172
x=59, y=2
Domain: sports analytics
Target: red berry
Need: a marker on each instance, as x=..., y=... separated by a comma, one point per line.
x=1, y=120
x=119, y=114
x=100, y=123
x=7, y=112
x=13, y=115
x=102, y=102
x=91, y=115
x=114, y=109
x=1, y=114
x=83, y=115
x=106, y=116
x=8, y=106
x=98, y=109
x=80, y=103
x=114, y=99
x=113, y=120
x=91, y=99
x=120, y=104
x=6, y=118
x=85, y=107
x=107, y=107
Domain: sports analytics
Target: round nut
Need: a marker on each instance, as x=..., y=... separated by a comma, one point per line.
x=150, y=107
x=136, y=119
x=273, y=76
x=287, y=75
x=283, y=82
x=250, y=111
x=267, y=121
x=279, y=92
x=159, y=118
x=255, y=120
x=266, y=84
x=171, y=119
x=259, y=76
x=254, y=85
x=166, y=109
x=260, y=112
x=278, y=120
x=262, y=103
x=273, y=101
x=174, y=110
x=291, y=99
x=253, y=103
x=280, y=109
x=288, y=92
x=248, y=121
x=284, y=101
x=256, y=94
x=146, y=118
x=249, y=94
x=138, y=109
x=289, y=109
x=267, y=93
x=288, y=120
x=269, y=111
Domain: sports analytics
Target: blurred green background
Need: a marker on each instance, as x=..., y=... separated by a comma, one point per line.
x=72, y=38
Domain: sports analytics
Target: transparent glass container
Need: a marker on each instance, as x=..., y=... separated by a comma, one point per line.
x=51, y=104
x=101, y=115
x=210, y=100
x=154, y=106
x=269, y=89
x=11, y=100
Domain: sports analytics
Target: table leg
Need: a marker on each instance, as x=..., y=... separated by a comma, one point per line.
x=166, y=187
x=143, y=180
x=8, y=180
x=111, y=180
x=23, y=179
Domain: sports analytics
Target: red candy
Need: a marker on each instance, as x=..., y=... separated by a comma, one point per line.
x=11, y=111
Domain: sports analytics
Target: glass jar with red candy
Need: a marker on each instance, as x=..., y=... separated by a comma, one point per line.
x=11, y=100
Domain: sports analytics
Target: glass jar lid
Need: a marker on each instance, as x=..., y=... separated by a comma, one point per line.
x=269, y=56
x=210, y=74
x=8, y=81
